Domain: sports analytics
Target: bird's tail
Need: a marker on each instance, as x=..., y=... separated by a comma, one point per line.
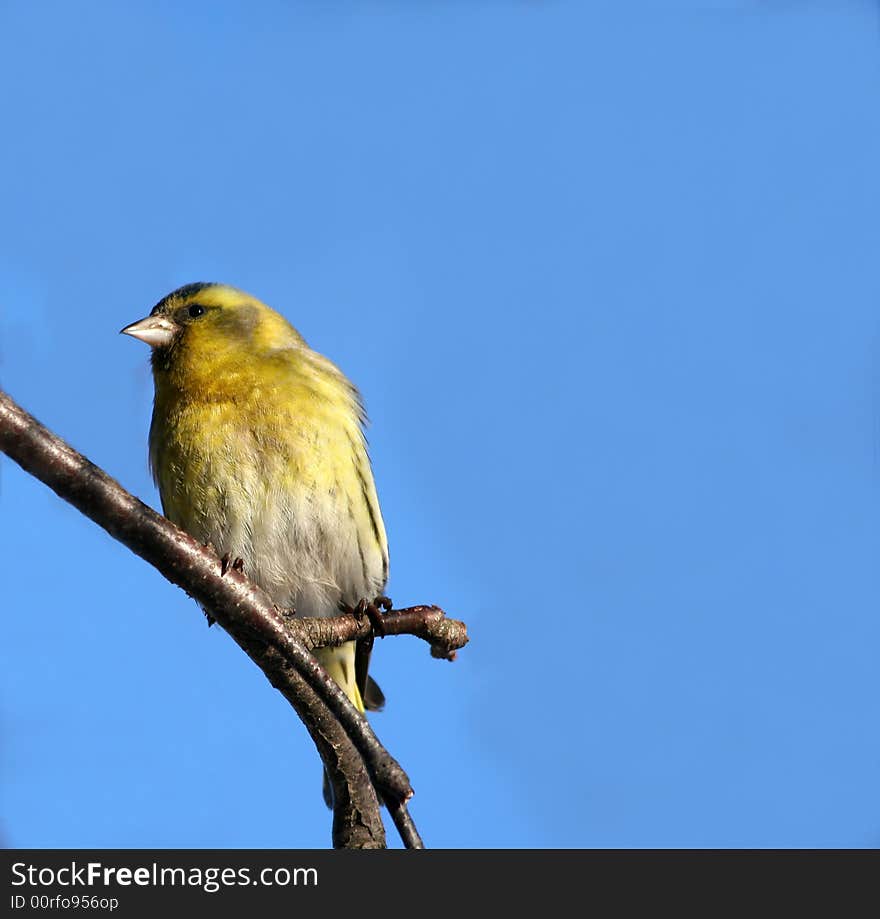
x=339, y=663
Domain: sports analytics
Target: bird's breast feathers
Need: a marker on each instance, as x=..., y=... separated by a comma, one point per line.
x=273, y=469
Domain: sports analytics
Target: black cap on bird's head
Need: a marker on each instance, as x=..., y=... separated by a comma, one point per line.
x=182, y=293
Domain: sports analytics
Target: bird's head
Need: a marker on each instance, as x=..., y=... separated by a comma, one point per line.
x=211, y=321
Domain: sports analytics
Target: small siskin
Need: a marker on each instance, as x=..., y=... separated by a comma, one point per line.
x=257, y=447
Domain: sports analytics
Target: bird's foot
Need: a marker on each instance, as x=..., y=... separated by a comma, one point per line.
x=371, y=611
x=236, y=565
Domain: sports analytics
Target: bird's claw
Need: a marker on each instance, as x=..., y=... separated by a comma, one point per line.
x=237, y=564
x=371, y=611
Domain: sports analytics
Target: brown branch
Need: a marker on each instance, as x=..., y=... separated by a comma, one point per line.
x=445, y=636
x=356, y=820
x=349, y=748
x=405, y=826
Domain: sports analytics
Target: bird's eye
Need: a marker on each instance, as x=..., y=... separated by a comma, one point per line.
x=195, y=310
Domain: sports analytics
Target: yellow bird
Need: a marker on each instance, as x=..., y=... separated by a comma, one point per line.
x=257, y=447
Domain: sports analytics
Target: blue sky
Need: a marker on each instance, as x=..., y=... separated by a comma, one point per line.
x=607, y=276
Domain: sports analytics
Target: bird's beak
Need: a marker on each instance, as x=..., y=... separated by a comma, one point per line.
x=156, y=331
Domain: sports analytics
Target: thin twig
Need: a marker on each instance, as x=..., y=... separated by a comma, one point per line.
x=430, y=623
x=239, y=605
x=405, y=826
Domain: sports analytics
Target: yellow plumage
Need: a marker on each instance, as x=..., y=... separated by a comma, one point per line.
x=257, y=447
